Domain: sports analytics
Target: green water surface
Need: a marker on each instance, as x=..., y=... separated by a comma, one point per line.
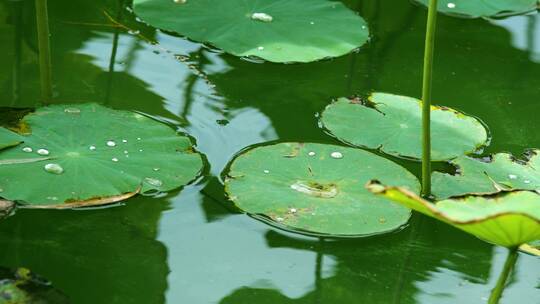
x=191, y=246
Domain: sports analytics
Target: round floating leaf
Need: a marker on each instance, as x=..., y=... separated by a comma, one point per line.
x=509, y=219
x=8, y=138
x=489, y=175
x=275, y=30
x=393, y=125
x=90, y=155
x=483, y=8
x=317, y=188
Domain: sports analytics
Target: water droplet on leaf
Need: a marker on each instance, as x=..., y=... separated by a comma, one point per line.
x=92, y=148
x=111, y=143
x=114, y=159
x=43, y=152
x=153, y=181
x=262, y=17
x=512, y=176
x=312, y=153
x=27, y=149
x=54, y=168
x=336, y=155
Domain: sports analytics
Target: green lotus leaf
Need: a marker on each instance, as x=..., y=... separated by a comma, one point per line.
x=393, y=123
x=508, y=219
x=317, y=189
x=275, y=30
x=87, y=154
x=8, y=138
x=484, y=8
x=489, y=175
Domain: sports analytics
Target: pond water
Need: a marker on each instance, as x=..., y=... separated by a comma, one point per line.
x=192, y=246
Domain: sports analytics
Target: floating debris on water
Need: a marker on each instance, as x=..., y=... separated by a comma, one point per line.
x=262, y=17
x=43, y=152
x=54, y=168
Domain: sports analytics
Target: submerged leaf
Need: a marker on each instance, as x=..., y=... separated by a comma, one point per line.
x=317, y=188
x=9, y=139
x=509, y=219
x=393, y=124
x=479, y=176
x=483, y=8
x=278, y=31
x=87, y=154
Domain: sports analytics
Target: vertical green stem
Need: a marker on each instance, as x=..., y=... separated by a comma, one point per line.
x=503, y=277
x=45, y=71
x=426, y=98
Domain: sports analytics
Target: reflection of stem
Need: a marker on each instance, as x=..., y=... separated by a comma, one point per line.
x=426, y=98
x=44, y=51
x=318, y=272
x=503, y=277
x=114, y=50
x=18, y=52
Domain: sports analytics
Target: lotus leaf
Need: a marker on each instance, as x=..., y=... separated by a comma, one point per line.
x=508, y=219
x=278, y=31
x=317, y=188
x=489, y=175
x=392, y=124
x=8, y=138
x=87, y=154
x=484, y=8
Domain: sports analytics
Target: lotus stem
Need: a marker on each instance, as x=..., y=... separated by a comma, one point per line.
x=426, y=98
x=503, y=277
x=45, y=71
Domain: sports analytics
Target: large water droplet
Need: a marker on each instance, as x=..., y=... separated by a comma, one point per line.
x=72, y=110
x=153, y=181
x=111, y=143
x=336, y=155
x=54, y=168
x=92, y=148
x=451, y=5
x=262, y=17
x=43, y=152
x=266, y=171
x=27, y=149
x=316, y=189
x=114, y=159
x=311, y=153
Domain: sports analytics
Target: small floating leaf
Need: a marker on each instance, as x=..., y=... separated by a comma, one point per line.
x=483, y=8
x=302, y=187
x=508, y=219
x=393, y=123
x=79, y=168
x=278, y=31
x=480, y=176
x=9, y=139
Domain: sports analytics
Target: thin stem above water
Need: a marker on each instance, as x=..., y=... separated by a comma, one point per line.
x=426, y=98
x=503, y=277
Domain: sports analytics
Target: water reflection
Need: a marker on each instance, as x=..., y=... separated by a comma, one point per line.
x=192, y=246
